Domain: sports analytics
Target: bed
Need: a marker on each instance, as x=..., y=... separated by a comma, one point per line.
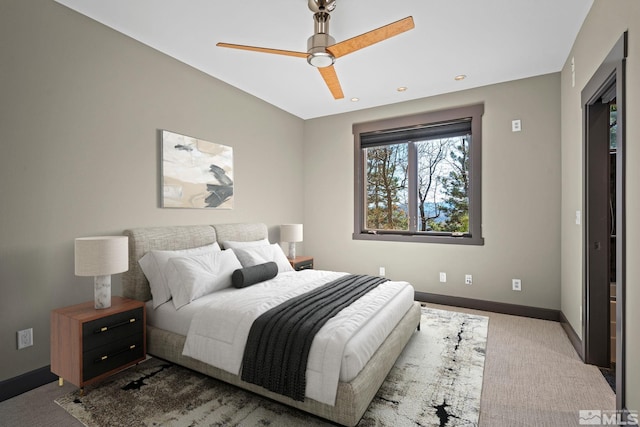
x=352, y=397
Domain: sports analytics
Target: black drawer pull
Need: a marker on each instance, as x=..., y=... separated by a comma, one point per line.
x=117, y=325
x=106, y=356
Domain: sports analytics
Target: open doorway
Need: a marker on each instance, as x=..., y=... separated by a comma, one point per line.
x=604, y=220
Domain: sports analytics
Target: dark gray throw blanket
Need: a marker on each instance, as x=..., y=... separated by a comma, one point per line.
x=277, y=349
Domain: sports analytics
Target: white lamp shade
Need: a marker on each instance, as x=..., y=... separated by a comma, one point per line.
x=291, y=232
x=101, y=255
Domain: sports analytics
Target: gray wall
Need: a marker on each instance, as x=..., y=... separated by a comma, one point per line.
x=603, y=27
x=80, y=108
x=520, y=199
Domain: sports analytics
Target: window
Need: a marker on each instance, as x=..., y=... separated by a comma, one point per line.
x=417, y=178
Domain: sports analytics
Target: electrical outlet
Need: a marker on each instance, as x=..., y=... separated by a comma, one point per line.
x=468, y=279
x=516, y=125
x=382, y=272
x=443, y=277
x=25, y=338
x=516, y=284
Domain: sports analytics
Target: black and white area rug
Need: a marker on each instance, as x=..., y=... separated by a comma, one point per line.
x=437, y=381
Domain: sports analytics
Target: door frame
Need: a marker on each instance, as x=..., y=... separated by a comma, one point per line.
x=611, y=71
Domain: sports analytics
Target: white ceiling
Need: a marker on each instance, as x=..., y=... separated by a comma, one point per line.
x=490, y=41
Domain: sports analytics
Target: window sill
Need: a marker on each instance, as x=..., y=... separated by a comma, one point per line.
x=419, y=238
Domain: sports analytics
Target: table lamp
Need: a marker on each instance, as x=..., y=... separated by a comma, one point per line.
x=291, y=233
x=101, y=256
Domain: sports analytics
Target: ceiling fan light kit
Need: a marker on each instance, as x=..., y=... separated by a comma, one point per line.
x=322, y=49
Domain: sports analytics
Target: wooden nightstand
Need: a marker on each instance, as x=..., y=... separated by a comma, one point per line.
x=88, y=345
x=301, y=263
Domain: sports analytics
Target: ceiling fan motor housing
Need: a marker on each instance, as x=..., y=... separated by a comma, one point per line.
x=318, y=42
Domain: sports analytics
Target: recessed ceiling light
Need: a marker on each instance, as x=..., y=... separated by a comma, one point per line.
x=354, y=99
x=460, y=77
x=402, y=89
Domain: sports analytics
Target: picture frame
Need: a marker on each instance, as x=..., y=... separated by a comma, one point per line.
x=196, y=173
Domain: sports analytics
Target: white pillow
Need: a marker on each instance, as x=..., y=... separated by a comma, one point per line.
x=261, y=254
x=153, y=264
x=192, y=277
x=241, y=245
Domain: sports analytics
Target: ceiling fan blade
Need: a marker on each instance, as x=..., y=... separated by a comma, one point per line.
x=264, y=50
x=331, y=79
x=372, y=37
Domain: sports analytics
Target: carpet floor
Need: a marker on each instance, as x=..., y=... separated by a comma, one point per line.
x=437, y=381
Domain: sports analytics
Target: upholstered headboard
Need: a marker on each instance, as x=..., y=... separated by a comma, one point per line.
x=142, y=240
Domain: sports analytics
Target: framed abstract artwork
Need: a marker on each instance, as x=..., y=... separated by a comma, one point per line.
x=196, y=173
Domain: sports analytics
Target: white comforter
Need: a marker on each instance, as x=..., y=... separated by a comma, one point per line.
x=219, y=331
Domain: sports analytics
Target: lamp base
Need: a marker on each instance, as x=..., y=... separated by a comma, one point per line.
x=292, y=250
x=102, y=291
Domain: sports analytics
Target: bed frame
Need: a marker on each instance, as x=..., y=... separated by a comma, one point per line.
x=353, y=398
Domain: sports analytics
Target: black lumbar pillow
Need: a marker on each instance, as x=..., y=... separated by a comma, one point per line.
x=243, y=277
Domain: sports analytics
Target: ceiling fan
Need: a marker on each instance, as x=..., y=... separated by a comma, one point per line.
x=322, y=49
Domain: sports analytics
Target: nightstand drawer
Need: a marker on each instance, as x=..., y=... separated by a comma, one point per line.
x=112, y=329
x=104, y=359
x=304, y=265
